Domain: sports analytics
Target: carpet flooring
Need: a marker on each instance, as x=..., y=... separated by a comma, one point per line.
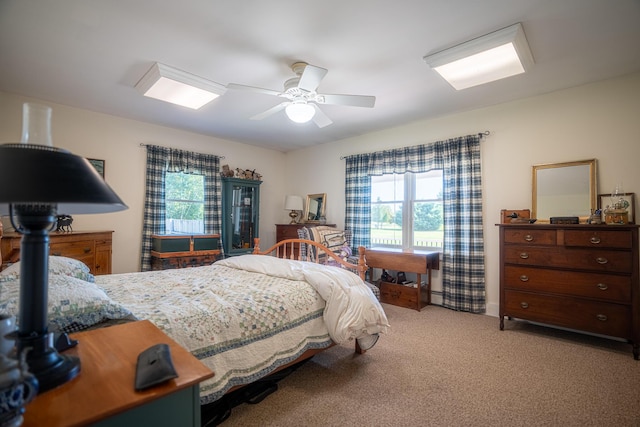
x=440, y=367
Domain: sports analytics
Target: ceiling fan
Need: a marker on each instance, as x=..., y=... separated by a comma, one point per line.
x=303, y=98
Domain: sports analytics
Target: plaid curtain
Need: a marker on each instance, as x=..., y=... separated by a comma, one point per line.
x=463, y=250
x=161, y=160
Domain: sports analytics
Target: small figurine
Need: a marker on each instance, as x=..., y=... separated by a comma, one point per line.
x=226, y=172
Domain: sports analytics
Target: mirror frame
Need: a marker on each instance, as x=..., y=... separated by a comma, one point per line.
x=591, y=179
x=320, y=198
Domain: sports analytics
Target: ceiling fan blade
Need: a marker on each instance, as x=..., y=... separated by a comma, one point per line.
x=311, y=77
x=320, y=118
x=270, y=111
x=351, y=100
x=235, y=86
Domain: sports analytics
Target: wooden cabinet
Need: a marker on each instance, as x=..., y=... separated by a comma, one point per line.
x=240, y=215
x=581, y=277
x=104, y=395
x=409, y=296
x=91, y=247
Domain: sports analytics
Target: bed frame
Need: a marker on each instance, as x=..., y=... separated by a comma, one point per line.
x=285, y=249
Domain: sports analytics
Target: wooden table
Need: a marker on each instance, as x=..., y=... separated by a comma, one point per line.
x=103, y=394
x=418, y=262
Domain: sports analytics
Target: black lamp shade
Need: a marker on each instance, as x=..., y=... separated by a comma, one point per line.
x=39, y=174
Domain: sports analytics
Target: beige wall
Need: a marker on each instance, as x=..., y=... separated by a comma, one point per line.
x=117, y=141
x=600, y=121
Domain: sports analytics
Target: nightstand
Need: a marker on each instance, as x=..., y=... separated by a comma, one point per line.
x=104, y=395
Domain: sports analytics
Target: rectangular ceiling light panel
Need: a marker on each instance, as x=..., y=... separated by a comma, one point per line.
x=178, y=87
x=495, y=56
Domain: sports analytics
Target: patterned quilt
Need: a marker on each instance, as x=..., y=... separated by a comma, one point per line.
x=243, y=323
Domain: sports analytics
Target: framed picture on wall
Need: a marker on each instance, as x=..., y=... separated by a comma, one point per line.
x=605, y=200
x=99, y=165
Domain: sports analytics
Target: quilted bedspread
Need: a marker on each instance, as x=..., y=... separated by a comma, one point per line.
x=246, y=316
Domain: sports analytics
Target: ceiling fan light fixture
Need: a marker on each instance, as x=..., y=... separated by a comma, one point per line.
x=300, y=112
x=498, y=55
x=178, y=87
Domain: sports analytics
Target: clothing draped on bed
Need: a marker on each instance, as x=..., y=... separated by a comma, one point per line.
x=248, y=315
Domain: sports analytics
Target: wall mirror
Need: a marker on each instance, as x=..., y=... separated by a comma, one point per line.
x=564, y=189
x=315, y=207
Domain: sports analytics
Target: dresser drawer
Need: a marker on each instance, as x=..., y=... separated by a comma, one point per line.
x=598, y=238
x=579, y=259
x=530, y=236
x=288, y=233
x=575, y=313
x=607, y=287
x=73, y=249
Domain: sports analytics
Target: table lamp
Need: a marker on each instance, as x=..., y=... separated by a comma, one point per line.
x=38, y=182
x=293, y=204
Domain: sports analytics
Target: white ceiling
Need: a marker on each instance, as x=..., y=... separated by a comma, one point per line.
x=90, y=54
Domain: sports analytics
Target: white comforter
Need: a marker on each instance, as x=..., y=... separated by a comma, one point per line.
x=351, y=309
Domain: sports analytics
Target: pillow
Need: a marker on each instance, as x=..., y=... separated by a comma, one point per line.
x=59, y=265
x=73, y=304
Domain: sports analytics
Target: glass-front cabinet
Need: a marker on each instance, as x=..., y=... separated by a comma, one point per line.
x=240, y=215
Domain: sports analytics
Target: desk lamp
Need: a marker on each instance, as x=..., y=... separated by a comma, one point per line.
x=37, y=182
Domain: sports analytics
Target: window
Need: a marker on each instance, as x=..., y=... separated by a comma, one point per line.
x=406, y=210
x=184, y=203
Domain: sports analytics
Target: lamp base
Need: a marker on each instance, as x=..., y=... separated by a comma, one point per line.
x=49, y=367
x=294, y=217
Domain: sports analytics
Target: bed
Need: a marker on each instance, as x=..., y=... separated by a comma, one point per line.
x=245, y=317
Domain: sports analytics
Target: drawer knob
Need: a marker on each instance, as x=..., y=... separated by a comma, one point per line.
x=528, y=238
x=57, y=254
x=87, y=250
x=524, y=278
x=601, y=317
x=602, y=260
x=524, y=255
x=524, y=305
x=602, y=286
x=595, y=240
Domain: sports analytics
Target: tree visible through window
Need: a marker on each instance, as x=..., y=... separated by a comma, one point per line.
x=184, y=203
x=406, y=210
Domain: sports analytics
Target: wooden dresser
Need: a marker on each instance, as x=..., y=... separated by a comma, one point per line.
x=290, y=231
x=581, y=277
x=91, y=247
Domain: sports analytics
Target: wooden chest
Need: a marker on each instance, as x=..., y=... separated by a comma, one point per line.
x=182, y=251
x=581, y=277
x=402, y=295
x=172, y=262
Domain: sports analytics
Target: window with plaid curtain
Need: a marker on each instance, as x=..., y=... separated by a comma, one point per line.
x=463, y=277
x=161, y=160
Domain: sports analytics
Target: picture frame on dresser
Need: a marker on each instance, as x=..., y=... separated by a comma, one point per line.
x=605, y=200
